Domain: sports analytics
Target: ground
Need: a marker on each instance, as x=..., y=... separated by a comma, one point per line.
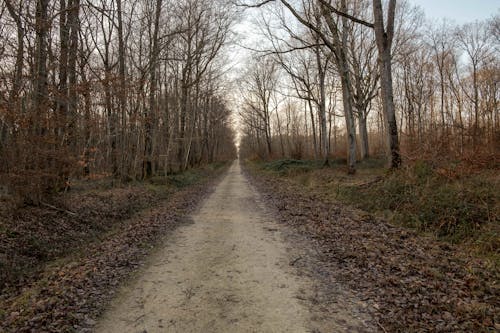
x=409, y=281
x=230, y=270
x=251, y=252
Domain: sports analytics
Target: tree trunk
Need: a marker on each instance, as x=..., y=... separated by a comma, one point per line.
x=149, y=116
x=74, y=30
x=121, y=91
x=313, y=128
x=350, y=126
x=62, y=96
x=13, y=101
x=282, y=145
x=363, y=134
x=322, y=106
x=40, y=96
x=339, y=49
x=16, y=86
x=384, y=38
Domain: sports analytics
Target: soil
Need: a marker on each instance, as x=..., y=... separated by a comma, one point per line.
x=232, y=270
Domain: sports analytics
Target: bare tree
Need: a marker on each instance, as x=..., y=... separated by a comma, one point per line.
x=259, y=86
x=474, y=40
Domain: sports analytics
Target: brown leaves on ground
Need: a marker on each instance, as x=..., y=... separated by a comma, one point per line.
x=412, y=283
x=68, y=296
x=32, y=235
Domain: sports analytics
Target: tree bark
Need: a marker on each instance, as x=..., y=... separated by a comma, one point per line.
x=363, y=134
x=74, y=30
x=122, y=100
x=322, y=106
x=62, y=97
x=384, y=36
x=40, y=96
x=149, y=116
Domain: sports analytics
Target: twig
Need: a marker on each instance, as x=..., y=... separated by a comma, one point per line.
x=293, y=262
x=59, y=209
x=382, y=327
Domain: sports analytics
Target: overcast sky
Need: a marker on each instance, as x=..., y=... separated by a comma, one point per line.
x=460, y=11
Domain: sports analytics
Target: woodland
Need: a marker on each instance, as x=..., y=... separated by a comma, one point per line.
x=319, y=89
x=136, y=89
x=124, y=89
x=408, y=103
x=363, y=123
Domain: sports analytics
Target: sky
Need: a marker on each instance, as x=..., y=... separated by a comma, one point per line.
x=460, y=11
x=456, y=11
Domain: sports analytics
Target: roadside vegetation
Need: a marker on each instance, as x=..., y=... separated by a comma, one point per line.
x=456, y=204
x=420, y=248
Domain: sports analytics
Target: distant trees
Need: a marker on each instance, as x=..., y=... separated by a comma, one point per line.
x=362, y=52
x=131, y=89
x=444, y=110
x=258, y=105
x=405, y=82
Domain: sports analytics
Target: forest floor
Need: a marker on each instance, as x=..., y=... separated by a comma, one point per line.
x=265, y=252
x=62, y=261
x=411, y=280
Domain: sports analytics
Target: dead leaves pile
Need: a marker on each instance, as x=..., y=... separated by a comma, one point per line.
x=411, y=283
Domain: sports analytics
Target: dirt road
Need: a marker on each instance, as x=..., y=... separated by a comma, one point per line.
x=228, y=271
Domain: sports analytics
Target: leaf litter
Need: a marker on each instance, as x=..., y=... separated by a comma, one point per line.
x=411, y=283
x=70, y=293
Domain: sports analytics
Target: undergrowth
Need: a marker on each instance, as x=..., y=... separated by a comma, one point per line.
x=460, y=209
x=289, y=166
x=455, y=209
x=185, y=178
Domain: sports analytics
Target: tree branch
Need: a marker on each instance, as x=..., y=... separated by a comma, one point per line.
x=341, y=13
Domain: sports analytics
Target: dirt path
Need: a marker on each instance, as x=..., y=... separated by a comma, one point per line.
x=228, y=271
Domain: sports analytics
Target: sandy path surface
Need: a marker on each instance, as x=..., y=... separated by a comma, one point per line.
x=228, y=271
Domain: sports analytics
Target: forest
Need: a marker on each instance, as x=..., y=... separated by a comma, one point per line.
x=318, y=89
x=115, y=88
x=249, y=166
x=410, y=102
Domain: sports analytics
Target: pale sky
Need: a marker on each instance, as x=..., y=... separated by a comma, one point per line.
x=460, y=11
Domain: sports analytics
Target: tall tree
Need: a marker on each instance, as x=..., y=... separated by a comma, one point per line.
x=384, y=35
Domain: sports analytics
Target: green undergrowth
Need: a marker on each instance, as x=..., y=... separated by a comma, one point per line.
x=185, y=178
x=177, y=180
x=290, y=166
x=461, y=209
